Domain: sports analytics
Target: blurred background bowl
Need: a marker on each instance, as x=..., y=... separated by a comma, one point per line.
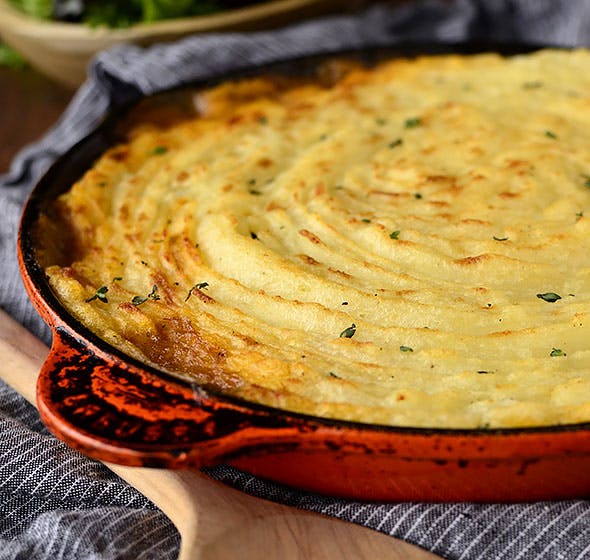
x=62, y=51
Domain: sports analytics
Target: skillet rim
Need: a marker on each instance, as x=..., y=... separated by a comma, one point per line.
x=75, y=161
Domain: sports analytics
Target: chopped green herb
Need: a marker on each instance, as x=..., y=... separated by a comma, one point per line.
x=100, y=295
x=532, y=85
x=579, y=215
x=395, y=143
x=251, y=182
x=413, y=122
x=332, y=374
x=323, y=137
x=557, y=352
x=138, y=300
x=154, y=293
x=117, y=278
x=550, y=297
x=10, y=58
x=159, y=150
x=262, y=119
x=587, y=180
x=500, y=238
x=484, y=371
x=406, y=349
x=551, y=134
x=199, y=286
x=395, y=234
x=417, y=195
x=348, y=332
x=254, y=192
x=366, y=220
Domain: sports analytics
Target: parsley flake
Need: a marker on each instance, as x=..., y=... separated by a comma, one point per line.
x=100, y=295
x=332, y=374
x=199, y=286
x=413, y=122
x=587, y=180
x=532, y=85
x=395, y=143
x=551, y=134
x=348, y=332
x=500, y=238
x=159, y=150
x=153, y=295
x=550, y=297
x=406, y=349
x=557, y=352
x=395, y=234
x=117, y=278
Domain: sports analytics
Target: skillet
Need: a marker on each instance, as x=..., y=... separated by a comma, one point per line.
x=117, y=409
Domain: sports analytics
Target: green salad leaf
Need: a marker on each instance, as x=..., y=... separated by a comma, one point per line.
x=40, y=9
x=116, y=14
x=10, y=58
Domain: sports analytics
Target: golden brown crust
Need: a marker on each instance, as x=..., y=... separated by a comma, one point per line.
x=385, y=246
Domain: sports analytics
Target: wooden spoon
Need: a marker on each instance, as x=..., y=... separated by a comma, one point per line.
x=217, y=522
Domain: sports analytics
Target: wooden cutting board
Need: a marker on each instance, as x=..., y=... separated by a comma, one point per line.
x=217, y=522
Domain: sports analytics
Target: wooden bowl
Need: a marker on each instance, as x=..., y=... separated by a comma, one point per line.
x=62, y=50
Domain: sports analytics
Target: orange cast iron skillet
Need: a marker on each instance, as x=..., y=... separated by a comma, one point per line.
x=114, y=408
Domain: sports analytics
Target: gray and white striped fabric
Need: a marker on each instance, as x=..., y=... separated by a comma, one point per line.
x=56, y=504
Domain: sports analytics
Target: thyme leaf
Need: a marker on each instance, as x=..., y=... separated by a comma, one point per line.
x=199, y=286
x=153, y=295
x=557, y=352
x=100, y=294
x=395, y=234
x=413, y=122
x=348, y=332
x=550, y=297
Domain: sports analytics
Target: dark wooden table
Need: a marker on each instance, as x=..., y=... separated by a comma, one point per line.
x=29, y=105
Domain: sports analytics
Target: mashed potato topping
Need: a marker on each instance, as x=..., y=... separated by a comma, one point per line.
x=409, y=246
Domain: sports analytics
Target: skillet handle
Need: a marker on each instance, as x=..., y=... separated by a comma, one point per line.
x=119, y=412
